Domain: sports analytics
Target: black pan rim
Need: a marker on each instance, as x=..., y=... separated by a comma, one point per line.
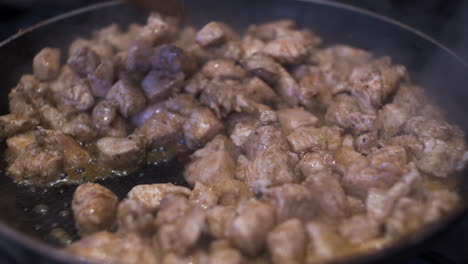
x=430, y=231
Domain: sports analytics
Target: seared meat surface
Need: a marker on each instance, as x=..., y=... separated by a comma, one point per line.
x=294, y=152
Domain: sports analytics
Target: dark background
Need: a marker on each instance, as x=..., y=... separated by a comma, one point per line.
x=444, y=20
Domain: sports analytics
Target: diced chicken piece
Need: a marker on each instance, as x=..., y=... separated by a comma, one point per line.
x=287, y=49
x=218, y=143
x=78, y=96
x=355, y=205
x=182, y=233
x=328, y=195
x=269, y=168
x=134, y=217
x=252, y=45
x=324, y=243
x=182, y=104
x=102, y=49
x=30, y=91
x=225, y=254
x=216, y=166
x=150, y=195
x=306, y=139
x=359, y=229
x=19, y=105
x=128, y=96
x=219, y=219
x=223, y=69
x=269, y=31
x=110, y=248
x=204, y=195
x=173, y=60
x=424, y=127
x=366, y=143
x=262, y=138
x=161, y=128
x=411, y=143
x=291, y=201
x=314, y=94
x=405, y=218
x=292, y=118
x=263, y=67
x=159, y=28
x=390, y=119
x=46, y=64
x=102, y=78
x=159, y=85
x=231, y=191
x=139, y=56
x=287, y=87
x=120, y=153
x=104, y=114
x=214, y=33
x=410, y=98
x=315, y=163
x=381, y=169
x=12, y=124
x=81, y=128
x=94, y=208
x=84, y=61
x=438, y=204
x=258, y=91
x=18, y=143
x=200, y=127
x=287, y=242
x=196, y=84
x=250, y=228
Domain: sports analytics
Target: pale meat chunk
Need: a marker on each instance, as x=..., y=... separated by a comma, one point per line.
x=83, y=61
x=216, y=166
x=173, y=60
x=291, y=201
x=78, y=96
x=139, y=55
x=424, y=127
x=12, y=124
x=81, y=128
x=218, y=143
x=182, y=104
x=306, y=139
x=204, y=195
x=366, y=143
x=288, y=49
x=391, y=119
x=287, y=242
x=94, y=208
x=104, y=114
x=161, y=128
x=110, y=248
x=214, y=33
x=159, y=85
x=224, y=254
x=292, y=118
x=120, y=153
x=46, y=64
x=159, y=28
x=18, y=143
x=101, y=80
x=150, y=195
x=439, y=203
x=262, y=66
x=250, y=228
x=405, y=218
x=128, y=96
x=219, y=219
x=315, y=163
x=200, y=127
x=223, y=69
x=51, y=117
x=359, y=229
x=324, y=243
x=134, y=217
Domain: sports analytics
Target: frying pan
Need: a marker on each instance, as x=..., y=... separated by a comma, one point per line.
x=24, y=225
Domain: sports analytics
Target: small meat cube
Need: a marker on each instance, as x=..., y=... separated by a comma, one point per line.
x=140, y=118
x=133, y=217
x=161, y=128
x=269, y=168
x=214, y=167
x=139, y=56
x=366, y=143
x=129, y=97
x=314, y=94
x=204, y=195
x=173, y=60
x=344, y=157
x=159, y=28
x=12, y=124
x=424, y=127
x=196, y=84
x=410, y=98
x=214, y=33
x=223, y=69
x=31, y=91
x=159, y=85
x=94, y=208
x=200, y=127
x=114, y=37
x=250, y=228
x=78, y=96
x=269, y=31
x=231, y=50
x=306, y=138
x=252, y=45
x=104, y=113
x=110, y=248
x=292, y=118
x=46, y=64
x=324, y=241
x=287, y=49
x=258, y=91
x=359, y=229
x=439, y=203
x=263, y=67
x=262, y=138
x=287, y=87
x=291, y=201
x=18, y=143
x=19, y=105
x=183, y=104
x=287, y=242
x=118, y=128
x=84, y=61
x=52, y=117
x=219, y=219
x=225, y=254
x=120, y=153
x=150, y=195
x=81, y=128
x=315, y=162
x=102, y=78
x=391, y=119
x=405, y=218
x=346, y=114
x=332, y=135
x=218, y=143
x=231, y=191
x=328, y=195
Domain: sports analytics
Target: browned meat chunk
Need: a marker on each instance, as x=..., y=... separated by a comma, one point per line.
x=262, y=66
x=151, y=195
x=159, y=85
x=405, y=218
x=18, y=143
x=287, y=87
x=12, y=124
x=250, y=228
x=287, y=242
x=325, y=243
x=158, y=28
x=161, y=128
x=291, y=201
x=223, y=69
x=292, y=118
x=200, y=127
x=94, y=208
x=366, y=143
x=439, y=203
x=216, y=166
x=104, y=114
x=305, y=139
x=114, y=249
x=102, y=78
x=173, y=60
x=424, y=127
x=84, y=61
x=219, y=219
x=133, y=217
x=359, y=229
x=204, y=195
x=391, y=119
x=120, y=153
x=214, y=33
x=30, y=91
x=139, y=56
x=80, y=127
x=289, y=49
x=224, y=254
x=46, y=64
x=129, y=97
x=315, y=162
x=78, y=96
x=182, y=104
x=219, y=143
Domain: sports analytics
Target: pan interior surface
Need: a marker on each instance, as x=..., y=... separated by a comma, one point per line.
x=45, y=214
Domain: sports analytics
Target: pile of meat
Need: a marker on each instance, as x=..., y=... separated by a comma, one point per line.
x=302, y=153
